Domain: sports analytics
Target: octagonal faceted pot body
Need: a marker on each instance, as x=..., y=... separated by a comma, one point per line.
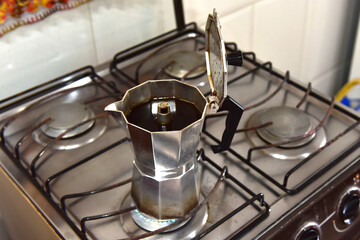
x=165, y=182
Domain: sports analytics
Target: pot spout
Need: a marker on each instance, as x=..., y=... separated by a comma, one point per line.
x=111, y=107
x=116, y=110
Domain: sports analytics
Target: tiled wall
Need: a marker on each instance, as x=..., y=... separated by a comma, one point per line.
x=311, y=38
x=90, y=34
x=308, y=37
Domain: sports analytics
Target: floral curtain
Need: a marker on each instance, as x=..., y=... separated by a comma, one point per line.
x=16, y=13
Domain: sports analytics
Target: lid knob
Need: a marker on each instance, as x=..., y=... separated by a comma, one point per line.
x=235, y=58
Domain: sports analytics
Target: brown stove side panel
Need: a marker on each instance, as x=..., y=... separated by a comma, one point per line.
x=322, y=218
x=21, y=218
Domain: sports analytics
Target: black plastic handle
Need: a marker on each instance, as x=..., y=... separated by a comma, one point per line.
x=231, y=124
x=235, y=58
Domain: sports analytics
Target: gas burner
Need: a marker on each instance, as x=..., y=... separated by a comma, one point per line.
x=64, y=117
x=186, y=65
x=287, y=125
x=131, y=221
x=150, y=223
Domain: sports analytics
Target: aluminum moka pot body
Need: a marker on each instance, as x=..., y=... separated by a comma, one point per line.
x=166, y=179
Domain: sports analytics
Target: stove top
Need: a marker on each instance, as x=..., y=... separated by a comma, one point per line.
x=291, y=144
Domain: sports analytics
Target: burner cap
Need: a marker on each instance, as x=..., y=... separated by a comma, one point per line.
x=287, y=124
x=185, y=62
x=66, y=116
x=135, y=223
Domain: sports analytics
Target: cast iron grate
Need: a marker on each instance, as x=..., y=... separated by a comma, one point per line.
x=15, y=151
x=267, y=66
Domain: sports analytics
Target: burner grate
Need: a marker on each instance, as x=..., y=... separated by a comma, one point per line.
x=256, y=201
x=160, y=43
x=267, y=67
x=16, y=145
x=70, y=86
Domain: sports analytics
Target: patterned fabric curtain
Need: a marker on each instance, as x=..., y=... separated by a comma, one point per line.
x=16, y=13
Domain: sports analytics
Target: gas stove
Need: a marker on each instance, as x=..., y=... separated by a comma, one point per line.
x=291, y=172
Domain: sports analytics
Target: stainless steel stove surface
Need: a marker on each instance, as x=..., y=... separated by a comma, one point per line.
x=258, y=188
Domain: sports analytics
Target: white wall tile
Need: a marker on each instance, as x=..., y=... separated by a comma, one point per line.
x=324, y=43
x=329, y=82
x=278, y=33
x=237, y=27
x=197, y=11
x=36, y=53
x=118, y=25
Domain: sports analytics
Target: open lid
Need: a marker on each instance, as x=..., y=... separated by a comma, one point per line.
x=215, y=58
